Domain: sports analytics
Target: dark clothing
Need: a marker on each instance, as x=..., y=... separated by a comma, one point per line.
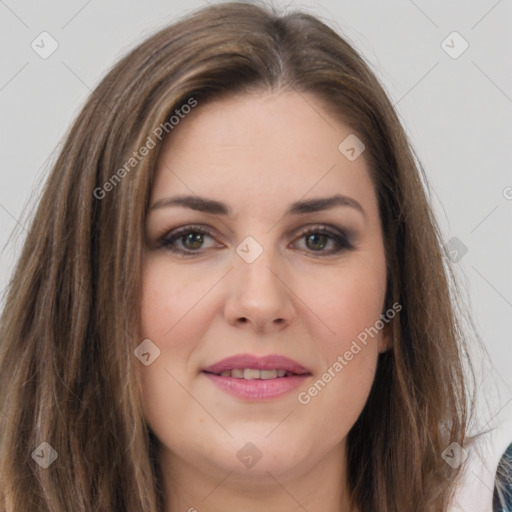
x=505, y=503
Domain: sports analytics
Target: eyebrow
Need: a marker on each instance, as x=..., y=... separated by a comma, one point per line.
x=203, y=204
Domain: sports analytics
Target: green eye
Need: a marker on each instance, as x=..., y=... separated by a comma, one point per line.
x=190, y=240
x=193, y=240
x=318, y=241
x=186, y=240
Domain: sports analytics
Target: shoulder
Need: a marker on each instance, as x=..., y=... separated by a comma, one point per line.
x=502, y=498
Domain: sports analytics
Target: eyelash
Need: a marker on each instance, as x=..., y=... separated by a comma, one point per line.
x=340, y=239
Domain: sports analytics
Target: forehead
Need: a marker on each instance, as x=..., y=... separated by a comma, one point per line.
x=260, y=149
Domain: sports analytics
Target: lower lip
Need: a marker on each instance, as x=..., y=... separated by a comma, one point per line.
x=257, y=389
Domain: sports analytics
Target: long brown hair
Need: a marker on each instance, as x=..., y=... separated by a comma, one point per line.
x=71, y=319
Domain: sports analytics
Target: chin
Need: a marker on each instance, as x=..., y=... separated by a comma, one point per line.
x=258, y=455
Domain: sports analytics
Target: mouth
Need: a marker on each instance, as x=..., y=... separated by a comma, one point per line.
x=253, y=378
x=255, y=374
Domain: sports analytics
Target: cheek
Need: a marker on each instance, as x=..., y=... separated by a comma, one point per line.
x=348, y=300
x=337, y=396
x=169, y=310
x=170, y=297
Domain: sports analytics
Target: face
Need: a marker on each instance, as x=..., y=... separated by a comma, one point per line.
x=266, y=270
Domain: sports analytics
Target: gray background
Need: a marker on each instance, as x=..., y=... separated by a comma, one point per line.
x=457, y=112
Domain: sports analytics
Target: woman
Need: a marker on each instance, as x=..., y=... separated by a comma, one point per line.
x=233, y=293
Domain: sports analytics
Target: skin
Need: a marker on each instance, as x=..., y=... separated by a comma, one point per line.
x=259, y=153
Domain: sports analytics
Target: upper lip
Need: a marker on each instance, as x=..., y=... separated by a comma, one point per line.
x=270, y=362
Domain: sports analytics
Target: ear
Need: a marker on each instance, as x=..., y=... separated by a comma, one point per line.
x=386, y=339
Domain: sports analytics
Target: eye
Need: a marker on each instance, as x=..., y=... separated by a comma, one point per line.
x=190, y=240
x=318, y=238
x=185, y=240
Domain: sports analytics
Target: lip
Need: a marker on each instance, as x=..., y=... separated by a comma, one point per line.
x=257, y=389
x=259, y=363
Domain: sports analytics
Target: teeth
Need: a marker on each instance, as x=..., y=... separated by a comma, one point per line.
x=268, y=374
x=252, y=373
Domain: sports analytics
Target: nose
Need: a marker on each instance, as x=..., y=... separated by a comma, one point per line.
x=259, y=295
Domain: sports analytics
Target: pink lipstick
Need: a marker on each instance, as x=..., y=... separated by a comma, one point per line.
x=257, y=378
